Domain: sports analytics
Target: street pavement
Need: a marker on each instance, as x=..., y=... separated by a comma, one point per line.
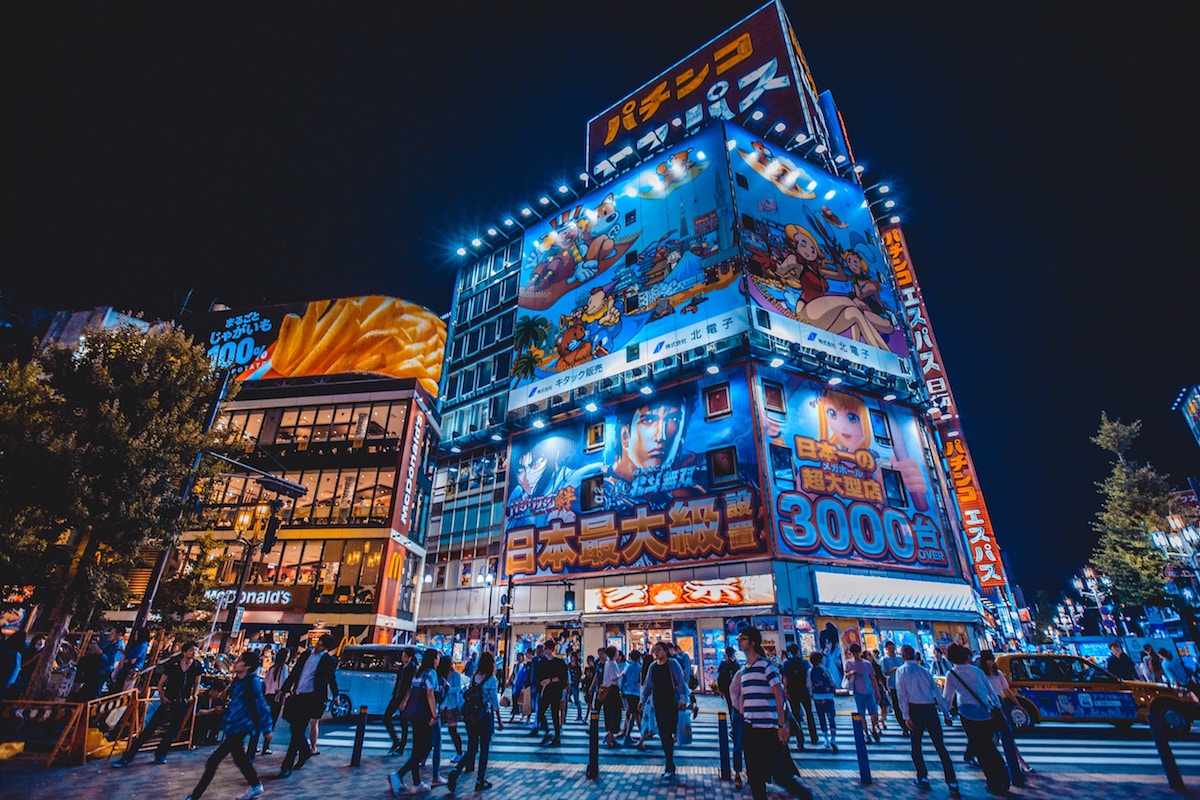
x=1089, y=762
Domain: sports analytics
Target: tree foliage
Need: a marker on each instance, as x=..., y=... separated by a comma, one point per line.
x=1136, y=501
x=96, y=444
x=182, y=595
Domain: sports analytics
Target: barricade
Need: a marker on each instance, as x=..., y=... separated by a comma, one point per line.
x=183, y=736
x=360, y=736
x=70, y=731
x=860, y=747
x=1158, y=729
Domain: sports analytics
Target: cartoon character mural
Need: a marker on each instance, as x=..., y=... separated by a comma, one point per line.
x=812, y=248
x=615, y=269
x=859, y=489
x=661, y=479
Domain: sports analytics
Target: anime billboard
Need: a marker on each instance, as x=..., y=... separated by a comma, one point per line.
x=849, y=481
x=629, y=275
x=1191, y=411
x=754, y=70
x=661, y=480
x=813, y=257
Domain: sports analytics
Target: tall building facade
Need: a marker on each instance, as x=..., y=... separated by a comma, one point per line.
x=688, y=394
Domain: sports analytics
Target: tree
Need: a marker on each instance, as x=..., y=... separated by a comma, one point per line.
x=96, y=444
x=1136, y=502
x=182, y=595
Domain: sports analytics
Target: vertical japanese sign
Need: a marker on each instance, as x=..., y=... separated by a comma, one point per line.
x=977, y=524
x=754, y=68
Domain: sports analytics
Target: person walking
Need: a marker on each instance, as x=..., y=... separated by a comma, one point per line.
x=940, y=666
x=247, y=714
x=404, y=679
x=889, y=664
x=451, y=708
x=736, y=727
x=420, y=709
x=575, y=681
x=1008, y=699
x=552, y=681
x=860, y=675
x=725, y=673
x=765, y=729
x=304, y=693
x=666, y=688
x=1120, y=664
x=976, y=699
x=795, y=681
x=823, y=691
x=480, y=707
x=176, y=690
x=630, y=683
x=917, y=703
x=882, y=698
x=273, y=681
x=1173, y=669
x=609, y=696
x=1152, y=665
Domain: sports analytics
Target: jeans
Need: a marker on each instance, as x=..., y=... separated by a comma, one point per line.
x=437, y=747
x=575, y=701
x=801, y=703
x=827, y=714
x=924, y=717
x=735, y=723
x=550, y=701
x=422, y=733
x=233, y=745
x=765, y=756
x=479, y=742
x=667, y=718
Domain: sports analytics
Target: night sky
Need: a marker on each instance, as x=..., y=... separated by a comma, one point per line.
x=291, y=152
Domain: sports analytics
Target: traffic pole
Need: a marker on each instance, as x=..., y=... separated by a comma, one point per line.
x=723, y=735
x=593, y=765
x=360, y=736
x=1158, y=729
x=860, y=747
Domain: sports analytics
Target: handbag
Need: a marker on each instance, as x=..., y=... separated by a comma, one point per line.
x=998, y=719
x=416, y=705
x=683, y=736
x=604, y=692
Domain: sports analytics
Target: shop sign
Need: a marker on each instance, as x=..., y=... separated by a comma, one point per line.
x=749, y=590
x=262, y=598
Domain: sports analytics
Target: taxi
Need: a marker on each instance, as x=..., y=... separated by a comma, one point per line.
x=1060, y=688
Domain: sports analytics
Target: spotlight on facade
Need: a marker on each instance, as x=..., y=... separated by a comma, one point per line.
x=591, y=407
x=859, y=169
x=894, y=219
x=497, y=437
x=477, y=242
x=712, y=369
x=525, y=212
x=889, y=397
x=508, y=223
x=539, y=423
x=563, y=189
x=780, y=127
x=492, y=231
x=455, y=449
x=820, y=148
x=776, y=362
x=544, y=201
x=462, y=251
x=834, y=381
x=646, y=390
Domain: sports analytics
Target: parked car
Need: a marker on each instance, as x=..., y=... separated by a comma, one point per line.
x=367, y=676
x=1059, y=688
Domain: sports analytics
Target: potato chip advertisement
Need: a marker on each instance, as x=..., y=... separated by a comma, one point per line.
x=849, y=482
x=813, y=256
x=668, y=478
x=628, y=275
x=373, y=334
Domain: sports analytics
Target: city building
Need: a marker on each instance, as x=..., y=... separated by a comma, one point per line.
x=697, y=389
x=337, y=397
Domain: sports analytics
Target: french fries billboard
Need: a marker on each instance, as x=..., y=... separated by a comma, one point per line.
x=372, y=334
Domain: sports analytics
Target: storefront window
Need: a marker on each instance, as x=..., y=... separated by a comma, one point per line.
x=369, y=578
x=323, y=506
x=395, y=421
x=324, y=419
x=253, y=427
x=310, y=562
x=289, y=562
x=304, y=426
x=384, y=489
x=342, y=425
x=330, y=568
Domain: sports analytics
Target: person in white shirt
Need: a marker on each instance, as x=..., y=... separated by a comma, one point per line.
x=919, y=699
x=610, y=697
x=976, y=699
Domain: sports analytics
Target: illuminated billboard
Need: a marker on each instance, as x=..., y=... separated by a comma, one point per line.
x=813, y=259
x=629, y=275
x=749, y=590
x=754, y=70
x=849, y=480
x=661, y=480
x=976, y=523
x=373, y=334
x=1191, y=411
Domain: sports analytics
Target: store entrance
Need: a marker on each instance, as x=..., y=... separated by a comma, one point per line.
x=643, y=638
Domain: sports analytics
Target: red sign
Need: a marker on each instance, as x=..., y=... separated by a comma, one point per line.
x=754, y=68
x=981, y=538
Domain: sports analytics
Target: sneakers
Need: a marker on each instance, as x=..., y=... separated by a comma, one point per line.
x=456, y=759
x=481, y=785
x=121, y=763
x=668, y=775
x=420, y=788
x=253, y=791
x=438, y=781
x=397, y=785
x=452, y=781
x=953, y=787
x=159, y=760
x=922, y=783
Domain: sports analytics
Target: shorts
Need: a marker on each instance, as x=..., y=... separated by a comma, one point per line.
x=631, y=703
x=866, y=703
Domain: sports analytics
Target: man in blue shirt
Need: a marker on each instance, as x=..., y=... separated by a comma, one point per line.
x=889, y=664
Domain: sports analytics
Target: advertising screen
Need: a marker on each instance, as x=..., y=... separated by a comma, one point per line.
x=753, y=70
x=849, y=481
x=813, y=259
x=628, y=275
x=1191, y=411
x=665, y=479
x=743, y=591
x=375, y=334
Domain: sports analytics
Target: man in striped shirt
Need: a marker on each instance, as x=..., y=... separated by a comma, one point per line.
x=765, y=730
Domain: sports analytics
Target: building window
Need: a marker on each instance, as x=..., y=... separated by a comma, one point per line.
x=722, y=466
x=880, y=428
x=592, y=493
x=464, y=578
x=742, y=182
x=893, y=487
x=716, y=402
x=439, y=577
x=773, y=399
x=595, y=437
x=632, y=352
x=781, y=465
x=762, y=318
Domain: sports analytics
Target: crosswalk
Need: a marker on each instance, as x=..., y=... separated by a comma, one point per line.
x=1073, y=748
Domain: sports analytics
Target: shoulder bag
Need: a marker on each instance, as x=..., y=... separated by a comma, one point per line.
x=996, y=712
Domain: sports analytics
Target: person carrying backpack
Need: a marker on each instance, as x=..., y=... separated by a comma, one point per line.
x=795, y=681
x=480, y=705
x=821, y=690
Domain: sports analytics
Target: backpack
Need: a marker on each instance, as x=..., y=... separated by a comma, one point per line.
x=795, y=670
x=474, y=710
x=821, y=682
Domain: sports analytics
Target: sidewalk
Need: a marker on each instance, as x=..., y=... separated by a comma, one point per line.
x=328, y=776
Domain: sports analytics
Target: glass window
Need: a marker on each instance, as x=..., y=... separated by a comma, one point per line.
x=506, y=325
x=502, y=364
x=513, y=255
x=352, y=560
x=343, y=424
x=326, y=487
x=880, y=428
x=331, y=563
x=893, y=487
x=289, y=418
x=310, y=563
x=451, y=387
x=289, y=563
x=510, y=287
x=253, y=426
x=473, y=341
x=324, y=418
x=456, y=348
x=395, y=423
x=369, y=577
x=385, y=486
x=483, y=374
x=343, y=500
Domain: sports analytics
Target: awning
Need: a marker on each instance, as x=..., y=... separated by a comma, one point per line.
x=841, y=594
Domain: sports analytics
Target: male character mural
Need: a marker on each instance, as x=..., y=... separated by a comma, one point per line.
x=649, y=466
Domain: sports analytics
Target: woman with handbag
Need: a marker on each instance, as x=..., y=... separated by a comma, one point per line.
x=479, y=708
x=1008, y=698
x=419, y=711
x=977, y=705
x=665, y=686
